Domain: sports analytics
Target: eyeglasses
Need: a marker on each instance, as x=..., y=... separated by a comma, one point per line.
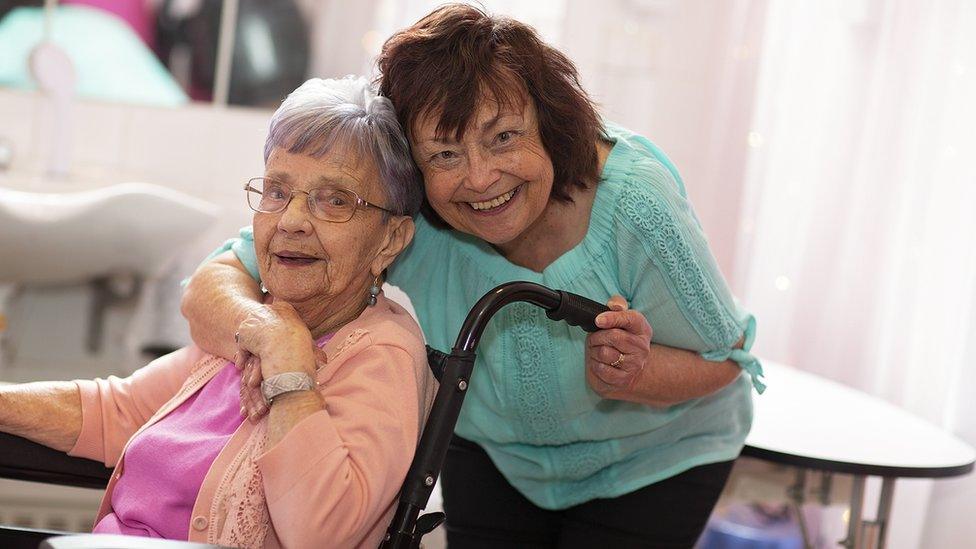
x=333, y=204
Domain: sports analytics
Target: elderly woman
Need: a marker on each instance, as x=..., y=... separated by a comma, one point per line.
x=346, y=385
x=622, y=438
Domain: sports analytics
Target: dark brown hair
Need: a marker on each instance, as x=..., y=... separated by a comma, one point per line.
x=458, y=54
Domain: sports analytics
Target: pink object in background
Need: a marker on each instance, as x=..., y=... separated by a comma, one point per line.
x=137, y=13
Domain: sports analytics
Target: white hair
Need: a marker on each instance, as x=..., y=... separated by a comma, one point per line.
x=348, y=111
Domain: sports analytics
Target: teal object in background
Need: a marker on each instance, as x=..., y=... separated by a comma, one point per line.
x=110, y=61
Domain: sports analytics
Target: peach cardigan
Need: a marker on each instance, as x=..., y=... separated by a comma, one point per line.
x=331, y=481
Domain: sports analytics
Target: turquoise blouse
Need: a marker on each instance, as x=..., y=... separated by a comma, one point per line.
x=528, y=403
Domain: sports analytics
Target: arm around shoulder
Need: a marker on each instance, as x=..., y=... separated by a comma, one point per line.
x=219, y=295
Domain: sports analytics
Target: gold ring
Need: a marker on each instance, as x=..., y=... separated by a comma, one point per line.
x=616, y=362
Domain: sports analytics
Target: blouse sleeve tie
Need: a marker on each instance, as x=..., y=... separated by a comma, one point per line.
x=742, y=356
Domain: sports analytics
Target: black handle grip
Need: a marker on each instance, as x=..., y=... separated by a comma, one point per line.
x=577, y=310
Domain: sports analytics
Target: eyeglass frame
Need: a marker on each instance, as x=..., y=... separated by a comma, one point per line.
x=308, y=199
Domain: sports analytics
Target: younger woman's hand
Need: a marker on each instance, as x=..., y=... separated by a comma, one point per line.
x=617, y=353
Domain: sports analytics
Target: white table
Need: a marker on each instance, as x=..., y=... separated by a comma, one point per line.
x=811, y=422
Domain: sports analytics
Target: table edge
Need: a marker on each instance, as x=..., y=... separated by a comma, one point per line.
x=857, y=468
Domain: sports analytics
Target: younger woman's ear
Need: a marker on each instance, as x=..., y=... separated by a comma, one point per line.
x=399, y=232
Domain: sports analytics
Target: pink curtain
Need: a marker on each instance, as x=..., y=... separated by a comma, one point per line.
x=858, y=254
x=828, y=148
x=137, y=13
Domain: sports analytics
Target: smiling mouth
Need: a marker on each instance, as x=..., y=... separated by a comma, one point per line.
x=496, y=202
x=295, y=258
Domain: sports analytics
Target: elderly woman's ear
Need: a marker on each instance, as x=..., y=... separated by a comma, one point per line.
x=397, y=234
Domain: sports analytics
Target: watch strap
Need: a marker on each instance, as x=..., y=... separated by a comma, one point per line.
x=287, y=382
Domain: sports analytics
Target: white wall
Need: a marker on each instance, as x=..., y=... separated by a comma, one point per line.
x=199, y=150
x=683, y=74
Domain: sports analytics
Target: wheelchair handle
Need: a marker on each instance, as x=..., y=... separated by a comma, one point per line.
x=575, y=309
x=455, y=369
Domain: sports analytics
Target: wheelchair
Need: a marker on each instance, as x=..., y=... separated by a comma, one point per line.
x=21, y=459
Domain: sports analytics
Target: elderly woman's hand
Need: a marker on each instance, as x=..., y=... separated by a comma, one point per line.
x=272, y=340
x=617, y=353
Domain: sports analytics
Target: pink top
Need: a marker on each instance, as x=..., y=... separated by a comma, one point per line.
x=168, y=461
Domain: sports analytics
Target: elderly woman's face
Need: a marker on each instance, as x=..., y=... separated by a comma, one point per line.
x=301, y=257
x=496, y=181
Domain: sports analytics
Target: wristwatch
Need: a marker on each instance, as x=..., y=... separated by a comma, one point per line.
x=285, y=383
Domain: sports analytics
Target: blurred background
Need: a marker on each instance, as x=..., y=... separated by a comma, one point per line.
x=828, y=148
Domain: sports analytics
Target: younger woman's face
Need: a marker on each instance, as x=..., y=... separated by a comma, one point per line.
x=493, y=183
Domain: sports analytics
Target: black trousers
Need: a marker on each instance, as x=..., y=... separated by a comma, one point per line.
x=485, y=511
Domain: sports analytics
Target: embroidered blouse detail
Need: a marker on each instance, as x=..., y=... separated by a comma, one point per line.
x=647, y=211
x=645, y=202
x=533, y=376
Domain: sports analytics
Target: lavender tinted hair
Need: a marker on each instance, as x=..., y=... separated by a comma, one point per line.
x=323, y=113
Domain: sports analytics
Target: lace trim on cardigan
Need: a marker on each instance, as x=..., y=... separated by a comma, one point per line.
x=350, y=340
x=240, y=513
x=205, y=362
x=203, y=367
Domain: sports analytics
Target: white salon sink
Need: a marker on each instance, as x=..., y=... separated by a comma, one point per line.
x=130, y=228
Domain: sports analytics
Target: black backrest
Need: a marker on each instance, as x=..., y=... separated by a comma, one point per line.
x=435, y=359
x=21, y=459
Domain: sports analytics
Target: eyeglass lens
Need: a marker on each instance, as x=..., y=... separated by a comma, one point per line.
x=327, y=203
